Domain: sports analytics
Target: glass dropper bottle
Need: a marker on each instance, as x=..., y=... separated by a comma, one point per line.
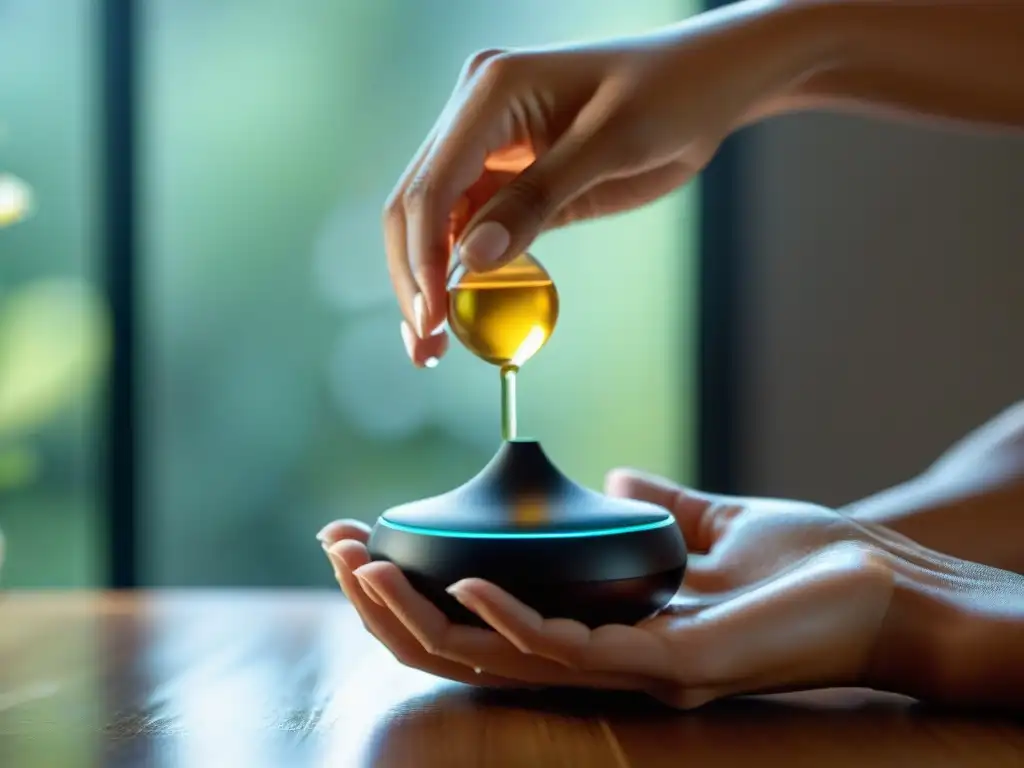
x=504, y=317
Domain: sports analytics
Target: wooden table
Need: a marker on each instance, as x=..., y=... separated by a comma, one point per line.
x=291, y=679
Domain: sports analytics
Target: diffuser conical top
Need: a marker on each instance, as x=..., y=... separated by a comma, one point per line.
x=522, y=493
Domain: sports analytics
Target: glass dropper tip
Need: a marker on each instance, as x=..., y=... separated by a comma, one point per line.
x=509, y=428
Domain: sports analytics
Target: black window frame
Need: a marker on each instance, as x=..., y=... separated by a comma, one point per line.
x=119, y=63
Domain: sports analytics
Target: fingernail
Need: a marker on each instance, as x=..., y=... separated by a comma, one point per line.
x=321, y=535
x=370, y=591
x=419, y=312
x=430, y=362
x=453, y=590
x=408, y=339
x=485, y=244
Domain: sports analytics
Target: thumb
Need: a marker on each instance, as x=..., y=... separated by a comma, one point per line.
x=508, y=222
x=688, y=506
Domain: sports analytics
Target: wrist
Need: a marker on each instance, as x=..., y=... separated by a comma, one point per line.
x=910, y=656
x=962, y=514
x=954, y=633
x=799, y=42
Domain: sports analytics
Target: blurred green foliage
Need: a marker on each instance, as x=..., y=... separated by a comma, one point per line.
x=53, y=348
x=53, y=354
x=53, y=325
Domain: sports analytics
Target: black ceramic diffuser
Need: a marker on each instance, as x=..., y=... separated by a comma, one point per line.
x=564, y=550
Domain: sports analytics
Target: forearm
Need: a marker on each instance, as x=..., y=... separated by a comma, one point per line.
x=958, y=60
x=954, y=635
x=980, y=518
x=969, y=503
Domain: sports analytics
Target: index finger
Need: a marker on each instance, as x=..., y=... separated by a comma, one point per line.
x=395, y=215
x=475, y=128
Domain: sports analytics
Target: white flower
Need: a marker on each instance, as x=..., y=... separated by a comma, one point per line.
x=15, y=200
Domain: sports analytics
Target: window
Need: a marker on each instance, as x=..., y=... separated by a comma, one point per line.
x=271, y=391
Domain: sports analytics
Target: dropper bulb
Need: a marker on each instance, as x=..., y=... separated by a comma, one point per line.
x=504, y=316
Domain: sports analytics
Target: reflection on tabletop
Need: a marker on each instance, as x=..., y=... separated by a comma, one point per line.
x=292, y=679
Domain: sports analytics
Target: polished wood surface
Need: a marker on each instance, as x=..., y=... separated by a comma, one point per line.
x=291, y=679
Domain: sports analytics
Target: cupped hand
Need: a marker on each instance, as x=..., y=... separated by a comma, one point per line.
x=537, y=138
x=778, y=595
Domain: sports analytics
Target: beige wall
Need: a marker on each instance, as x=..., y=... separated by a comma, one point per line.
x=883, y=299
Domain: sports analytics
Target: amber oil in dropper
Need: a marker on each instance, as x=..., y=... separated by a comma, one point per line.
x=504, y=317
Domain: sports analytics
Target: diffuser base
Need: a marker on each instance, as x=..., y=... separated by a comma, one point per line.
x=564, y=550
x=593, y=603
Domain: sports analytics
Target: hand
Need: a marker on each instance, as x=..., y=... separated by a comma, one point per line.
x=778, y=595
x=538, y=138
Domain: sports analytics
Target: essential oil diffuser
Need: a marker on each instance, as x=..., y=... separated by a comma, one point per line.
x=564, y=550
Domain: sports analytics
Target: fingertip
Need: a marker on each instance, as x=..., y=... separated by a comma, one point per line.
x=352, y=553
x=368, y=587
x=626, y=482
x=704, y=573
x=337, y=530
x=471, y=587
x=618, y=481
x=485, y=247
x=427, y=353
x=479, y=594
x=630, y=483
x=376, y=572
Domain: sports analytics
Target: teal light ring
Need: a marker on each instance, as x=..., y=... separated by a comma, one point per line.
x=531, y=535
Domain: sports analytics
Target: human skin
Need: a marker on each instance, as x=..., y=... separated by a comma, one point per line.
x=778, y=595
x=969, y=503
x=535, y=139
